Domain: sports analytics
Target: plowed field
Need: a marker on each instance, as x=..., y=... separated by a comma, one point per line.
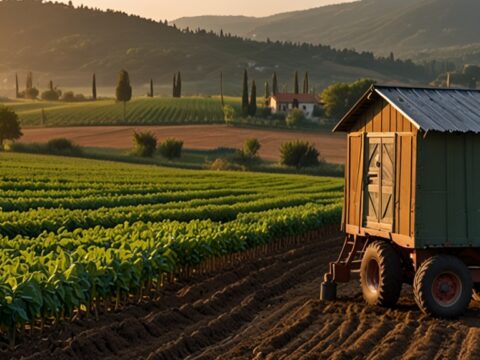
x=266, y=309
x=332, y=147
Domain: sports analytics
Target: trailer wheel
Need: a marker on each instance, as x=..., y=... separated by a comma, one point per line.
x=443, y=286
x=381, y=274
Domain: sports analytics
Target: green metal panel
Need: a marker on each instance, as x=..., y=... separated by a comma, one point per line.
x=447, y=210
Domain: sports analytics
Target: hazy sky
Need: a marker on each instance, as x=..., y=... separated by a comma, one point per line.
x=173, y=9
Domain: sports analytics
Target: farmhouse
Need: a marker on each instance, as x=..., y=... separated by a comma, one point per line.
x=412, y=200
x=285, y=102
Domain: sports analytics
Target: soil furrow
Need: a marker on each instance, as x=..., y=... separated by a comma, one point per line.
x=262, y=309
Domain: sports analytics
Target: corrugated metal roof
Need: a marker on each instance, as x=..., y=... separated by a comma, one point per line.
x=429, y=109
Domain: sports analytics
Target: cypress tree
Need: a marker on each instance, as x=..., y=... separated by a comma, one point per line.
x=245, y=95
x=274, y=84
x=29, y=83
x=221, y=88
x=17, y=90
x=252, y=107
x=94, y=87
x=267, y=90
x=174, y=92
x=295, y=83
x=124, y=90
x=306, y=85
x=50, y=85
x=151, y=88
x=179, y=85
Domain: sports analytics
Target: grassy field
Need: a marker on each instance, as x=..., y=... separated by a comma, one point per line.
x=140, y=111
x=74, y=231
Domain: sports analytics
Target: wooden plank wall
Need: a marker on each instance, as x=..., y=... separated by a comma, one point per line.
x=382, y=117
x=354, y=180
x=404, y=184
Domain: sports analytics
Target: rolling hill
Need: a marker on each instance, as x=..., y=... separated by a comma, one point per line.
x=67, y=44
x=421, y=29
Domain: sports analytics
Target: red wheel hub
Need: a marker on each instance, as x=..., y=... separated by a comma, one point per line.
x=373, y=275
x=446, y=289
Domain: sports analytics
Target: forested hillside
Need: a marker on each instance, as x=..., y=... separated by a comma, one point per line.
x=67, y=44
x=421, y=29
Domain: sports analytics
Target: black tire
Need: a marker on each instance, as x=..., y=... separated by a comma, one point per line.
x=381, y=274
x=443, y=286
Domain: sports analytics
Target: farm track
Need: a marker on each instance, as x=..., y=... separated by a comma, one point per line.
x=267, y=309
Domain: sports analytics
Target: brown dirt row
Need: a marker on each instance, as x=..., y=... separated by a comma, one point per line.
x=266, y=309
x=332, y=147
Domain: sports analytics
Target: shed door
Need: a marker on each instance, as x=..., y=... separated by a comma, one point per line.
x=379, y=182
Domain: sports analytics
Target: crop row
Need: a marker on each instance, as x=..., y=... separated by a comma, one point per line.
x=54, y=274
x=139, y=111
x=34, y=222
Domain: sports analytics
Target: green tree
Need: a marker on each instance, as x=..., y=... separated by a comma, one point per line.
x=274, y=84
x=306, y=85
x=31, y=93
x=338, y=98
x=299, y=154
x=245, y=107
x=179, y=85
x=295, y=118
x=94, y=87
x=9, y=126
x=252, y=106
x=151, y=88
x=267, y=90
x=296, y=88
x=17, y=90
x=29, y=83
x=174, y=90
x=221, y=89
x=124, y=90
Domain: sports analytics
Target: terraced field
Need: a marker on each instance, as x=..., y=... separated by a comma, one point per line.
x=140, y=111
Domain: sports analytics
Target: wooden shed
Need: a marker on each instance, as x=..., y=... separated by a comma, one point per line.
x=413, y=166
x=412, y=179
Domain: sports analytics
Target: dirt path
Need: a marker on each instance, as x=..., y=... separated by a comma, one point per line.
x=268, y=309
x=332, y=147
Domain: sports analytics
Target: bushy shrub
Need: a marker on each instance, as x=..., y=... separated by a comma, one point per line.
x=62, y=146
x=295, y=118
x=31, y=93
x=225, y=164
x=50, y=95
x=299, y=154
x=264, y=112
x=68, y=96
x=251, y=148
x=80, y=97
x=171, y=148
x=229, y=114
x=144, y=144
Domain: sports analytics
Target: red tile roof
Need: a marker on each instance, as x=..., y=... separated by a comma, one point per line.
x=301, y=98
